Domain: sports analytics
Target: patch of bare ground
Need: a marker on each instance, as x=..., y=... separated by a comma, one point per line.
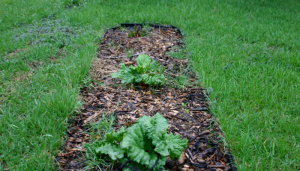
x=185, y=107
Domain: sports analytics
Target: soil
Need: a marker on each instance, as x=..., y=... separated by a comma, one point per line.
x=181, y=101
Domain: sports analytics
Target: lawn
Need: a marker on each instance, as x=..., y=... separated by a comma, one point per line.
x=247, y=53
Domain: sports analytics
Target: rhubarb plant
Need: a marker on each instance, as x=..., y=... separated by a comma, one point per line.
x=146, y=143
x=137, y=32
x=146, y=72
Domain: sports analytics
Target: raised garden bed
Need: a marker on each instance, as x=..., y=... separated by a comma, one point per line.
x=181, y=100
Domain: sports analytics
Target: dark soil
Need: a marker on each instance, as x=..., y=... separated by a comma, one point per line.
x=181, y=101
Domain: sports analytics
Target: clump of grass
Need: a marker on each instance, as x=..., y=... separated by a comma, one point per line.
x=181, y=81
x=179, y=53
x=87, y=82
x=97, y=131
x=72, y=3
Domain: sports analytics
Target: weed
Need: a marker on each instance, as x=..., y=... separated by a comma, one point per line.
x=96, y=132
x=50, y=33
x=129, y=53
x=178, y=53
x=72, y=3
x=123, y=29
x=137, y=31
x=98, y=129
x=181, y=81
x=87, y=82
x=183, y=107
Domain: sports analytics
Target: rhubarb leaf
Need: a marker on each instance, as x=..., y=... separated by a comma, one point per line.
x=154, y=67
x=154, y=125
x=114, y=151
x=127, y=74
x=165, y=144
x=143, y=60
x=114, y=137
x=140, y=148
x=110, y=144
x=157, y=79
x=169, y=145
x=146, y=71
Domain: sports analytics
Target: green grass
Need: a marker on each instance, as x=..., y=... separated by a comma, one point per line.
x=247, y=51
x=97, y=132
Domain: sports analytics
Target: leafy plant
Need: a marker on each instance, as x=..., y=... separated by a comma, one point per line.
x=146, y=72
x=145, y=143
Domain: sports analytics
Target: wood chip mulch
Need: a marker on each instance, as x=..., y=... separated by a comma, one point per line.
x=185, y=107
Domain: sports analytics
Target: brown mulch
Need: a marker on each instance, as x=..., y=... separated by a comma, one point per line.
x=184, y=106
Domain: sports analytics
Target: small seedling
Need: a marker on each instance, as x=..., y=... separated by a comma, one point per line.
x=137, y=32
x=183, y=104
x=129, y=53
x=184, y=109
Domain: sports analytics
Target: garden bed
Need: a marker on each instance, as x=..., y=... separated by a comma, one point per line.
x=181, y=100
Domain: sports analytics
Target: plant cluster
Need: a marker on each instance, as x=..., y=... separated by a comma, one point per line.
x=146, y=143
x=137, y=32
x=146, y=72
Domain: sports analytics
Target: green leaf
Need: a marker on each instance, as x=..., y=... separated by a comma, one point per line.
x=143, y=60
x=165, y=144
x=140, y=149
x=143, y=142
x=157, y=79
x=126, y=74
x=116, y=75
x=115, y=136
x=148, y=72
x=110, y=144
x=153, y=66
x=169, y=145
x=154, y=124
x=114, y=151
x=161, y=69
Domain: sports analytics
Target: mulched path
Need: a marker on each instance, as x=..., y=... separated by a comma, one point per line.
x=185, y=106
